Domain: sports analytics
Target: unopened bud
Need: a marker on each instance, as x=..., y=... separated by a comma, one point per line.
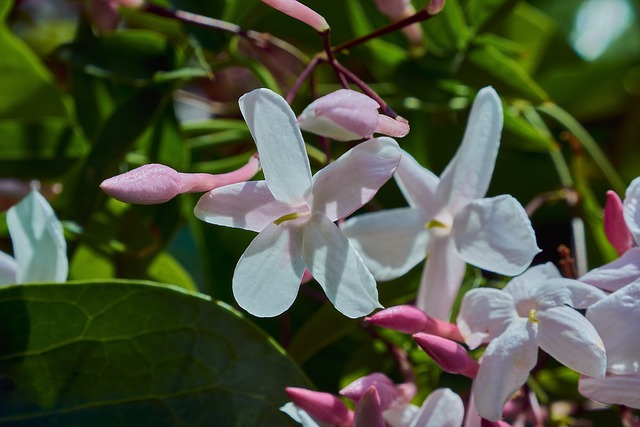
x=449, y=355
x=615, y=226
x=345, y=115
x=156, y=183
x=391, y=8
x=322, y=406
x=369, y=410
x=387, y=392
x=411, y=320
x=300, y=12
x=104, y=13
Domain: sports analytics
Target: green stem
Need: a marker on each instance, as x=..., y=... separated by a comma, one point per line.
x=587, y=142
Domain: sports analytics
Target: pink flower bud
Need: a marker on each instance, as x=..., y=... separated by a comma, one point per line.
x=615, y=227
x=386, y=389
x=499, y=423
x=155, y=183
x=104, y=13
x=300, y=12
x=369, y=410
x=322, y=406
x=345, y=115
x=411, y=320
x=391, y=8
x=449, y=355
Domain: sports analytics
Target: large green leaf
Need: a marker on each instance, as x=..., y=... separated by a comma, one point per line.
x=137, y=354
x=27, y=88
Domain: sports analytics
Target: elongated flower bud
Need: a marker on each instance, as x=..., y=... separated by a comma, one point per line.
x=300, y=12
x=387, y=393
x=322, y=406
x=449, y=355
x=369, y=410
x=615, y=227
x=346, y=115
x=155, y=183
x=411, y=320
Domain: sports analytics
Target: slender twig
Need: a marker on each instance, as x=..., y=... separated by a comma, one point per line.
x=326, y=42
x=421, y=15
x=306, y=73
x=384, y=107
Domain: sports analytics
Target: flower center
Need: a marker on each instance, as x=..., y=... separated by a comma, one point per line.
x=291, y=216
x=440, y=225
x=532, y=316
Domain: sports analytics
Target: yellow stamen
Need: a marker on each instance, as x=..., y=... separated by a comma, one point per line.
x=532, y=316
x=435, y=223
x=287, y=217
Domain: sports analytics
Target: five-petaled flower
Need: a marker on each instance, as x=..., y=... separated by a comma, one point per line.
x=448, y=218
x=294, y=214
x=535, y=309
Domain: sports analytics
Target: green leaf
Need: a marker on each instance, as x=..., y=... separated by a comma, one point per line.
x=448, y=29
x=27, y=88
x=482, y=13
x=134, y=56
x=506, y=71
x=166, y=269
x=39, y=149
x=523, y=135
x=209, y=38
x=134, y=353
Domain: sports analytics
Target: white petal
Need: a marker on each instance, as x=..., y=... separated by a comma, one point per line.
x=443, y=408
x=505, y=367
x=338, y=268
x=301, y=416
x=468, y=174
x=400, y=416
x=283, y=157
x=247, y=205
x=526, y=285
x=8, y=269
x=441, y=279
x=418, y=185
x=616, y=274
x=269, y=272
x=391, y=242
x=351, y=181
x=616, y=318
x=631, y=208
x=613, y=389
x=484, y=314
x=495, y=234
x=38, y=241
x=559, y=292
x=569, y=337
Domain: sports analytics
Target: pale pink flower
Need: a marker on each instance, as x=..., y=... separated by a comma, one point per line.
x=616, y=318
x=345, y=115
x=535, y=309
x=449, y=219
x=411, y=320
x=294, y=214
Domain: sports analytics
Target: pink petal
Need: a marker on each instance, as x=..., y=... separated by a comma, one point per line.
x=299, y=11
x=449, y=355
x=484, y=314
x=505, y=367
x=441, y=279
x=418, y=185
x=616, y=274
x=495, y=234
x=343, y=115
x=467, y=176
x=268, y=275
x=282, y=153
x=369, y=410
x=351, y=181
x=384, y=386
x=614, y=225
x=322, y=406
x=247, y=205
